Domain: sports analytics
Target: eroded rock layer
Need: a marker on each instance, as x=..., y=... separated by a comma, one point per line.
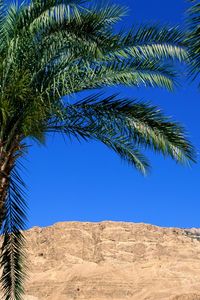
x=112, y=260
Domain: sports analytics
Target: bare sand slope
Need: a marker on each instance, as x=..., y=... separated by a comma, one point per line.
x=111, y=260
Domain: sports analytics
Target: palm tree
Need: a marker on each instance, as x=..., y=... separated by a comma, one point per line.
x=193, y=38
x=54, y=48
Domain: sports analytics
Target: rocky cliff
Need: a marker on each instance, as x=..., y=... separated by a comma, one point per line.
x=111, y=260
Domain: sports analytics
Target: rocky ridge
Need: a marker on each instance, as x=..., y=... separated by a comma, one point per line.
x=113, y=260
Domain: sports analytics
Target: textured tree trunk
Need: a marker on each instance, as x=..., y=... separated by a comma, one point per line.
x=6, y=164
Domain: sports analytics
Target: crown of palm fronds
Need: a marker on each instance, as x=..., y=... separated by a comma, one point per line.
x=53, y=48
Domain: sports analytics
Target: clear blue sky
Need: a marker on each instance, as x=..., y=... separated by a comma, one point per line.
x=69, y=181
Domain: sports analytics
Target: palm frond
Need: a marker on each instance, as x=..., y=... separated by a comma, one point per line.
x=192, y=39
x=128, y=123
x=110, y=14
x=76, y=77
x=42, y=11
x=163, y=42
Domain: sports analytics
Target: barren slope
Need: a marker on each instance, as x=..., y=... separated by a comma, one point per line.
x=111, y=260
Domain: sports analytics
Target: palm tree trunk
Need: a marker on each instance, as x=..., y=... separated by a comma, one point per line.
x=6, y=164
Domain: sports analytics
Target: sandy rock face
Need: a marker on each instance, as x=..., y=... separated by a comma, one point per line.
x=188, y=297
x=111, y=260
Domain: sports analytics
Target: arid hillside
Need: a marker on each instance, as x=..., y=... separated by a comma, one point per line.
x=111, y=260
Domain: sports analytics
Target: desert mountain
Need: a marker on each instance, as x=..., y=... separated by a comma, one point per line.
x=113, y=261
